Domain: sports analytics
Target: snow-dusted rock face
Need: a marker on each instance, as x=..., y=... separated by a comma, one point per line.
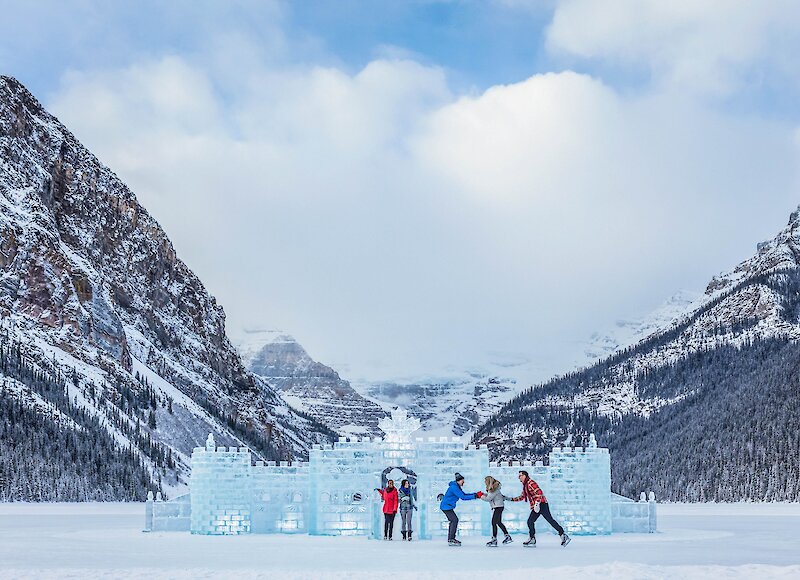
x=308, y=385
x=89, y=280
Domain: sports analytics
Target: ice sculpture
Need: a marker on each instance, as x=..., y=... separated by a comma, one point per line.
x=333, y=494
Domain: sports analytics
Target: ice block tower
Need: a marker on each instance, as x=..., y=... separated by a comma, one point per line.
x=220, y=496
x=580, y=482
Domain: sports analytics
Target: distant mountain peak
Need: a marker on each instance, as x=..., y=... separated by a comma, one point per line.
x=307, y=385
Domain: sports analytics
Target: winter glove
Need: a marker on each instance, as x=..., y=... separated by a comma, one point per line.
x=479, y=495
x=536, y=507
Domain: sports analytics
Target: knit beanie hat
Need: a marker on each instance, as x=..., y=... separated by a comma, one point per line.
x=459, y=477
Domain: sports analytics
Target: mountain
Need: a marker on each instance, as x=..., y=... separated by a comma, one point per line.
x=458, y=401
x=101, y=318
x=628, y=332
x=308, y=385
x=705, y=409
x=447, y=404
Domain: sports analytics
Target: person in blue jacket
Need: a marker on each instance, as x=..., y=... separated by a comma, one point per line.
x=451, y=497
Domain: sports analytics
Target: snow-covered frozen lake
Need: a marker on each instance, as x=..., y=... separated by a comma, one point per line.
x=104, y=540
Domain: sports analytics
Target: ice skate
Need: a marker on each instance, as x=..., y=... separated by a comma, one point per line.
x=565, y=539
x=492, y=543
x=531, y=543
x=508, y=539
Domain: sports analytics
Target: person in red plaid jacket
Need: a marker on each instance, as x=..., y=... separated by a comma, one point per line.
x=532, y=493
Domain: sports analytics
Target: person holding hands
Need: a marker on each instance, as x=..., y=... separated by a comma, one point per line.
x=448, y=505
x=532, y=493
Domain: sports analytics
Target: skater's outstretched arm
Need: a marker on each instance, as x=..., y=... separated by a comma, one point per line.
x=465, y=496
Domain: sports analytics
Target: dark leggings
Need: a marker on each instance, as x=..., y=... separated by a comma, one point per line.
x=453, y=519
x=388, y=525
x=544, y=511
x=497, y=521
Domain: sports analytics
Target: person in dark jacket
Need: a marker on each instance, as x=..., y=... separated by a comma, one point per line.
x=448, y=505
x=406, y=497
x=532, y=493
x=390, y=502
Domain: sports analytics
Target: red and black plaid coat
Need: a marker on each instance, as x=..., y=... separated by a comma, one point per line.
x=532, y=493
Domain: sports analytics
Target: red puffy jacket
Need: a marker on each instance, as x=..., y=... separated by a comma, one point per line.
x=390, y=500
x=532, y=493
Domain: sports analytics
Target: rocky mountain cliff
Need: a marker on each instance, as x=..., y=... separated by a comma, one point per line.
x=308, y=385
x=706, y=408
x=91, y=289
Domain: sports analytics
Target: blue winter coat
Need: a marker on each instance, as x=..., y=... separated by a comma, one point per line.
x=452, y=495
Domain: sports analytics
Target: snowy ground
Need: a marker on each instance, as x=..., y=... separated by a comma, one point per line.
x=104, y=540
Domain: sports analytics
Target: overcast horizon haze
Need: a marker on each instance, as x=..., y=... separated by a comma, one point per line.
x=418, y=185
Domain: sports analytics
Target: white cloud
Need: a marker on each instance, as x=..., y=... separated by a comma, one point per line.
x=377, y=216
x=712, y=46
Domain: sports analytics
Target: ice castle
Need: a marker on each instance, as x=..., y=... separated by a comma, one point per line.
x=334, y=493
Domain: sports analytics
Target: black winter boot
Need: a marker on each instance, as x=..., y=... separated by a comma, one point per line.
x=404, y=535
x=409, y=535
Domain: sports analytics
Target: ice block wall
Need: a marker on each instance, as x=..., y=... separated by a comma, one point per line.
x=220, y=496
x=279, y=497
x=342, y=500
x=343, y=478
x=631, y=516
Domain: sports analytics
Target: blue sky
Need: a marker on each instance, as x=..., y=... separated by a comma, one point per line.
x=479, y=43
x=412, y=185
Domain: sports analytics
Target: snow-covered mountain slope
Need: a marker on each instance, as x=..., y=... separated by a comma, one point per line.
x=455, y=402
x=307, y=385
x=628, y=332
x=751, y=301
x=446, y=405
x=734, y=351
x=91, y=287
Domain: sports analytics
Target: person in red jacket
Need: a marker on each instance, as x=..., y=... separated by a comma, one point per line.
x=532, y=493
x=390, y=503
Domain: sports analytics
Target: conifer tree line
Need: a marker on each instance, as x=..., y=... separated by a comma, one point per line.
x=42, y=459
x=729, y=429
